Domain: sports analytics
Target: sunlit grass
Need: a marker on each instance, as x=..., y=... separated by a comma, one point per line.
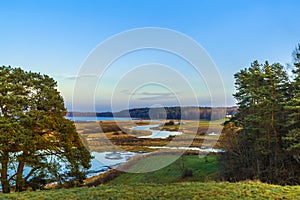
x=204, y=169
x=188, y=190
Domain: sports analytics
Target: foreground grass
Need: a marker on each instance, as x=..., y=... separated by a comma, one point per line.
x=203, y=169
x=191, y=190
x=161, y=168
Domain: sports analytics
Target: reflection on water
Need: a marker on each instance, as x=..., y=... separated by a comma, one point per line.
x=156, y=133
x=104, y=161
x=113, y=156
x=201, y=149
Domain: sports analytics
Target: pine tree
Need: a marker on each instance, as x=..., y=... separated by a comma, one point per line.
x=293, y=138
x=261, y=95
x=34, y=132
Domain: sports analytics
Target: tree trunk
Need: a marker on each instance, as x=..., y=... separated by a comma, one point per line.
x=20, y=182
x=19, y=178
x=4, y=170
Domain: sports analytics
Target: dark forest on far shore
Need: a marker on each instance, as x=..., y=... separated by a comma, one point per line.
x=196, y=113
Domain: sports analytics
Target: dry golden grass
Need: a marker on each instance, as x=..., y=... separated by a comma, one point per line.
x=118, y=135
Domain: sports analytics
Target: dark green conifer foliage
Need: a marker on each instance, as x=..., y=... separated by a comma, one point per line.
x=260, y=144
x=293, y=137
x=34, y=132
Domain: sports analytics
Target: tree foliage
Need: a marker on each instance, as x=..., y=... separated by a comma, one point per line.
x=293, y=137
x=262, y=141
x=34, y=135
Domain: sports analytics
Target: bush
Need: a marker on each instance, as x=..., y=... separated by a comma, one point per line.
x=170, y=123
x=187, y=173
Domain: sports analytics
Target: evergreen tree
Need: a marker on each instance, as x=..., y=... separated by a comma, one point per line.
x=258, y=148
x=34, y=132
x=293, y=138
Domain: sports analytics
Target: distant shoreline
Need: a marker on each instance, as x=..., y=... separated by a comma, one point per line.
x=186, y=113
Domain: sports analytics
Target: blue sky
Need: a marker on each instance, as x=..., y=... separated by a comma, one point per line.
x=56, y=36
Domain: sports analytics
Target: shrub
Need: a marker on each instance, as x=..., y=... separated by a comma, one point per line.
x=187, y=173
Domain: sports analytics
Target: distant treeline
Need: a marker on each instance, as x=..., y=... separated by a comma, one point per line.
x=204, y=113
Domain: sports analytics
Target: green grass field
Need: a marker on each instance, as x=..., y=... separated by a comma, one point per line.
x=190, y=190
x=202, y=169
x=167, y=183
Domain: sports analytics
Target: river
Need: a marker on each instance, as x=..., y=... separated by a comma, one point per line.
x=156, y=133
x=104, y=161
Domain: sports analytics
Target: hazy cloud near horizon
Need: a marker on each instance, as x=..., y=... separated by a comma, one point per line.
x=74, y=77
x=154, y=96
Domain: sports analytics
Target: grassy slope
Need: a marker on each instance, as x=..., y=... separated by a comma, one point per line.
x=191, y=190
x=165, y=184
x=202, y=171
